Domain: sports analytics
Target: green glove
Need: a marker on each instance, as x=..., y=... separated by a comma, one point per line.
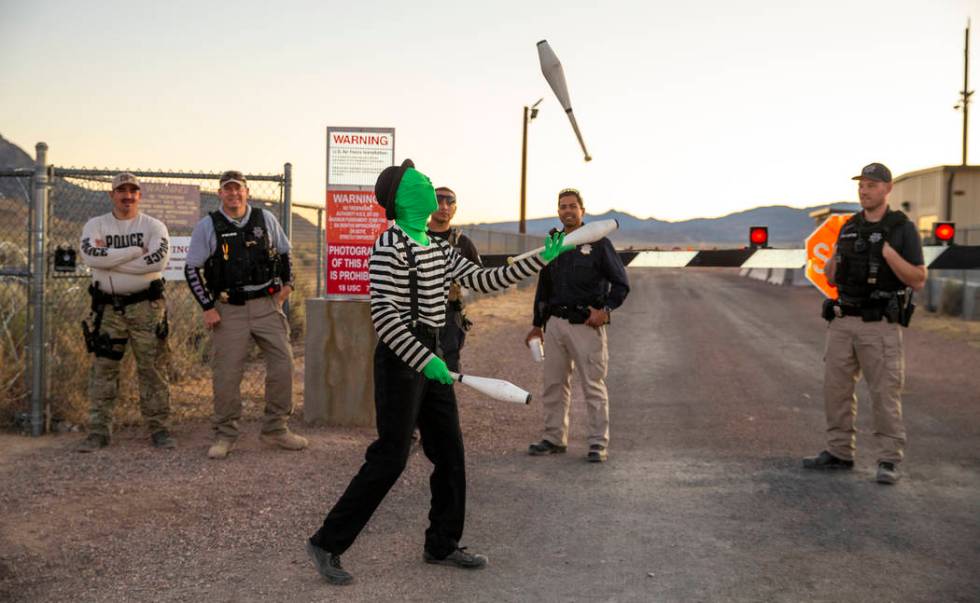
x=553, y=247
x=437, y=370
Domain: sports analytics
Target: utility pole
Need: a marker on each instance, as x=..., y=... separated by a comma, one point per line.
x=529, y=114
x=966, y=93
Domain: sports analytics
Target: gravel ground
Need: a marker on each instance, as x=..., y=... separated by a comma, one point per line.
x=133, y=523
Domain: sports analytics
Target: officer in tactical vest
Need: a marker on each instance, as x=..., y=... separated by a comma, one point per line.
x=876, y=264
x=243, y=254
x=127, y=251
x=457, y=324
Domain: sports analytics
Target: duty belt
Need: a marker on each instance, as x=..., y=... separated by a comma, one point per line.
x=240, y=296
x=848, y=310
x=100, y=297
x=567, y=312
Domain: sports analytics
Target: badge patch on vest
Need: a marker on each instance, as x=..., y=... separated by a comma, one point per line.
x=875, y=237
x=258, y=232
x=586, y=249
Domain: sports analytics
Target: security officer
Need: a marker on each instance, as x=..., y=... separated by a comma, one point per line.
x=127, y=251
x=453, y=336
x=247, y=276
x=876, y=264
x=575, y=296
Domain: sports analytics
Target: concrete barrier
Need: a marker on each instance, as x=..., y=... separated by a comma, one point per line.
x=338, y=376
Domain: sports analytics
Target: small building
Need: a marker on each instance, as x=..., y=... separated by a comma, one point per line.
x=945, y=193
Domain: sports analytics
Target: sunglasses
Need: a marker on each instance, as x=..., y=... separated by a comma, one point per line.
x=448, y=199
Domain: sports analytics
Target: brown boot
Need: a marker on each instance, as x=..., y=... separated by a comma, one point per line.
x=284, y=439
x=221, y=448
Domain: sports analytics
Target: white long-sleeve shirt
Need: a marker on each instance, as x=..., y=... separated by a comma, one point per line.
x=125, y=255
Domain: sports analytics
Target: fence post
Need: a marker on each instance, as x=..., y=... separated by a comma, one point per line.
x=287, y=200
x=39, y=268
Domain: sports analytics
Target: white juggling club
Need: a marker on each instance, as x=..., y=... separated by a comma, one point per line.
x=553, y=72
x=498, y=389
x=588, y=233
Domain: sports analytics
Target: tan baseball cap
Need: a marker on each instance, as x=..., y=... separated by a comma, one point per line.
x=124, y=178
x=232, y=176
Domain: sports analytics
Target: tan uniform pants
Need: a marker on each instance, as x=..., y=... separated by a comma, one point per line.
x=263, y=321
x=138, y=325
x=874, y=348
x=583, y=349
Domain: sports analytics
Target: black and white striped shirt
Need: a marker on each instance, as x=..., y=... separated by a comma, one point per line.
x=438, y=265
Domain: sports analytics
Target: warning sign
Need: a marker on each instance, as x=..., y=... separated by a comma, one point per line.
x=354, y=217
x=355, y=157
x=176, y=205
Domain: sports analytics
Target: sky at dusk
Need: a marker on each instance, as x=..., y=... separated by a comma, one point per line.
x=688, y=109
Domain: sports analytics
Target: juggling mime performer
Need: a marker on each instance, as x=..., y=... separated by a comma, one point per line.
x=410, y=274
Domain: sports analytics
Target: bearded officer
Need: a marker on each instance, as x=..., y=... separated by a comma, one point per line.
x=575, y=296
x=876, y=264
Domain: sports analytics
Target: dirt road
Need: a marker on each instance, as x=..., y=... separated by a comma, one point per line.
x=715, y=387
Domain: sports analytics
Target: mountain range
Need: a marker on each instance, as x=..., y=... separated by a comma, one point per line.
x=788, y=227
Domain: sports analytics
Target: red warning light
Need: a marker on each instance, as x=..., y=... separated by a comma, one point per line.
x=759, y=236
x=944, y=232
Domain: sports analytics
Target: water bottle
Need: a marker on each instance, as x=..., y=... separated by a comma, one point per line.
x=537, y=348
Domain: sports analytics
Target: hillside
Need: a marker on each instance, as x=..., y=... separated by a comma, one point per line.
x=788, y=227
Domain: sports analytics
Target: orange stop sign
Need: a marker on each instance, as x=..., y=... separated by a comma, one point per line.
x=819, y=246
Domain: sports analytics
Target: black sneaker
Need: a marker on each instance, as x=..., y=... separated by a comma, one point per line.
x=887, y=473
x=458, y=558
x=328, y=565
x=545, y=447
x=93, y=442
x=163, y=439
x=825, y=460
x=597, y=454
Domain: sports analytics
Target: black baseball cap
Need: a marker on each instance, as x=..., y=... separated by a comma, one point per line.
x=875, y=171
x=232, y=176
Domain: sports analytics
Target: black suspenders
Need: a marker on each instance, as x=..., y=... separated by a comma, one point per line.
x=413, y=277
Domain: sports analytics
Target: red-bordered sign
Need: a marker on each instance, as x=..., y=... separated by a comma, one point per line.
x=355, y=157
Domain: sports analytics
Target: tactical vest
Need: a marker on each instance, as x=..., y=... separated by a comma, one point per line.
x=455, y=294
x=861, y=268
x=243, y=256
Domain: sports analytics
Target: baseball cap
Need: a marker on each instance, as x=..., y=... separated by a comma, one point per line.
x=232, y=176
x=875, y=171
x=124, y=178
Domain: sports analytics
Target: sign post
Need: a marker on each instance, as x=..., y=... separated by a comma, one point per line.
x=340, y=337
x=819, y=247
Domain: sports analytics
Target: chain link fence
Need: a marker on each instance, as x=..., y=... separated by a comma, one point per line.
x=491, y=242
x=53, y=295
x=15, y=272
x=75, y=196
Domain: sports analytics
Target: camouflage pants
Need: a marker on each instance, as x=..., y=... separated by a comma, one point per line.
x=139, y=326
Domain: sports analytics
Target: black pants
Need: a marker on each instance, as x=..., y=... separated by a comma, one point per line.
x=404, y=398
x=452, y=338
